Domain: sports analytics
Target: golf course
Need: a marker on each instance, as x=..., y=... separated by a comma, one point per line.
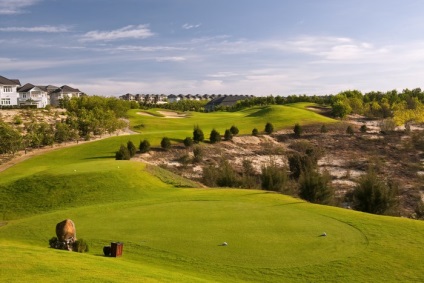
x=173, y=230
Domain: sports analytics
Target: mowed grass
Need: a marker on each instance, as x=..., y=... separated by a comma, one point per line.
x=175, y=234
x=172, y=234
x=155, y=127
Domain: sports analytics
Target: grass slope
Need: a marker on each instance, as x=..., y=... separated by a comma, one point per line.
x=174, y=234
x=156, y=127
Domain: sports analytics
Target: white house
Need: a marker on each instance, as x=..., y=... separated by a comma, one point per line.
x=62, y=93
x=8, y=92
x=30, y=94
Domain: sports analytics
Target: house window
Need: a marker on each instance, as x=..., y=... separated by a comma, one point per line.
x=7, y=89
x=5, y=101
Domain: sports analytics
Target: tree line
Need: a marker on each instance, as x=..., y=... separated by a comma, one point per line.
x=86, y=116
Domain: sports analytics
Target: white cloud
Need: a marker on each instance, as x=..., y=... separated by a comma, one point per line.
x=172, y=59
x=47, y=29
x=13, y=7
x=189, y=26
x=133, y=32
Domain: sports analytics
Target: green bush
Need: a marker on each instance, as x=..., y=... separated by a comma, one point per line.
x=234, y=130
x=80, y=246
x=227, y=176
x=324, y=129
x=198, y=154
x=255, y=132
x=269, y=128
x=144, y=146
x=314, y=187
x=228, y=135
x=123, y=153
x=215, y=136
x=198, y=135
x=210, y=175
x=273, y=177
x=165, y=143
x=131, y=148
x=297, y=130
x=373, y=195
x=387, y=126
x=188, y=142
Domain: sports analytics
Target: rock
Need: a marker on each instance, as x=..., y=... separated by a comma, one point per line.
x=65, y=231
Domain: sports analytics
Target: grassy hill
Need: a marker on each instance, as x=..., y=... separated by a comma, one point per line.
x=174, y=234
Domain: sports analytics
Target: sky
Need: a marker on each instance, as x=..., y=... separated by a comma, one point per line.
x=254, y=47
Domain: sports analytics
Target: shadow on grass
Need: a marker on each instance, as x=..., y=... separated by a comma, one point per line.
x=100, y=157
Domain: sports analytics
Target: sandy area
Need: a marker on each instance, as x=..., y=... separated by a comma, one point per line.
x=145, y=114
x=166, y=114
x=170, y=114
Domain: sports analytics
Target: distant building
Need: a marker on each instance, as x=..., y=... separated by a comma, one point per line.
x=222, y=101
x=62, y=93
x=30, y=94
x=9, y=92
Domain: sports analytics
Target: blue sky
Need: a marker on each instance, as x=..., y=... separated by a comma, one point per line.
x=259, y=47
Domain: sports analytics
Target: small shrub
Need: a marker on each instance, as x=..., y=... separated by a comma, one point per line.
x=215, y=136
x=188, y=142
x=374, y=196
x=249, y=178
x=387, y=126
x=255, y=132
x=53, y=241
x=131, y=148
x=269, y=128
x=210, y=175
x=349, y=130
x=297, y=130
x=198, y=135
x=234, y=130
x=80, y=246
x=123, y=153
x=227, y=176
x=273, y=177
x=198, y=154
x=363, y=128
x=314, y=187
x=165, y=143
x=324, y=129
x=144, y=146
x=228, y=135
x=17, y=120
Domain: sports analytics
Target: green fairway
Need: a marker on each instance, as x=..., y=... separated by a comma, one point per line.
x=158, y=126
x=173, y=232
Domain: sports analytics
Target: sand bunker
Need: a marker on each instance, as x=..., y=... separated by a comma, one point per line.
x=169, y=114
x=166, y=114
x=145, y=114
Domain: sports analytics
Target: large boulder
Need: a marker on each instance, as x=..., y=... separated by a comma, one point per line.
x=65, y=231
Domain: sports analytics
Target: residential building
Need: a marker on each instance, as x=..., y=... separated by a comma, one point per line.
x=30, y=94
x=8, y=92
x=64, y=92
x=222, y=101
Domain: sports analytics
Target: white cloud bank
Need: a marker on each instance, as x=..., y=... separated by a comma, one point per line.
x=13, y=7
x=128, y=32
x=47, y=29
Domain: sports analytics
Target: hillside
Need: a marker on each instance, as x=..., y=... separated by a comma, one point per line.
x=173, y=231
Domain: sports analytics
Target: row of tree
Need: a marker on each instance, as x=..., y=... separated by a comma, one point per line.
x=86, y=116
x=404, y=107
